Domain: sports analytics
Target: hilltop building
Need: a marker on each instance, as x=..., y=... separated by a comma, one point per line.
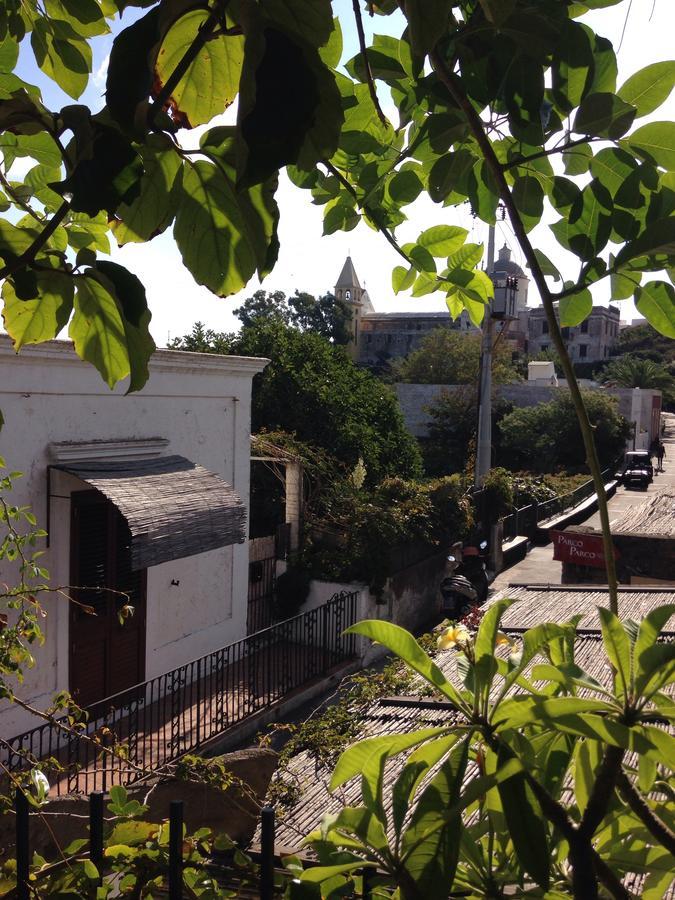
x=380, y=338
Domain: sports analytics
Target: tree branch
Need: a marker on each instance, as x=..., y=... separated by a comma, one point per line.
x=370, y=212
x=603, y=788
x=366, y=62
x=512, y=164
x=656, y=826
x=477, y=129
x=29, y=255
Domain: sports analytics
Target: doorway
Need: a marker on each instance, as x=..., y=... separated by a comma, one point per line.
x=107, y=647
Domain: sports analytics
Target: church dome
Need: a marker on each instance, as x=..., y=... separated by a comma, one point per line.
x=505, y=264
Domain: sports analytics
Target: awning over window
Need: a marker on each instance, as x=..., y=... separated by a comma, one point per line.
x=174, y=507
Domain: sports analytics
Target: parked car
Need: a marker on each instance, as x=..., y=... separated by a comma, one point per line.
x=639, y=459
x=637, y=475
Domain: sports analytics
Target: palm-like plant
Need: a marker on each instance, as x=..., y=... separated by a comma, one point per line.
x=634, y=372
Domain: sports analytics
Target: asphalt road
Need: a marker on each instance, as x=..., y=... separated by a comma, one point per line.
x=539, y=567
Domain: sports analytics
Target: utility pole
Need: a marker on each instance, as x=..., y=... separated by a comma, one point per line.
x=484, y=435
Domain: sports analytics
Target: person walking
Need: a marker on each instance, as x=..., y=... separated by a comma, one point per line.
x=660, y=453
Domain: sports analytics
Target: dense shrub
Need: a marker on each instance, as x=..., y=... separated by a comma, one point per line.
x=364, y=535
x=547, y=437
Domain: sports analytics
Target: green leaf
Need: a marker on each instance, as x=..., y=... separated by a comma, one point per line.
x=526, y=823
x=84, y=16
x=97, y=329
x=654, y=142
x=656, y=302
x=443, y=240
x=431, y=856
x=211, y=82
x=362, y=823
x=577, y=159
x=624, y=284
x=611, y=166
x=402, y=279
x=132, y=833
x=428, y=23
x=136, y=316
x=34, y=321
x=617, y=647
x=547, y=266
x=404, y=645
x=587, y=758
x=319, y=874
x=650, y=628
x=575, y=308
x=359, y=756
x=450, y=176
x=657, y=238
x=211, y=232
x=155, y=207
x=604, y=115
x=339, y=216
x=417, y=766
x=467, y=257
x=331, y=51
x=528, y=195
x=588, y=227
x=648, y=88
x=66, y=60
x=486, y=638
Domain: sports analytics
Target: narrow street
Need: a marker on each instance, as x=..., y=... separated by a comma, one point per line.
x=539, y=567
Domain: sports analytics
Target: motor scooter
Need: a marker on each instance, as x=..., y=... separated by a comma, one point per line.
x=465, y=583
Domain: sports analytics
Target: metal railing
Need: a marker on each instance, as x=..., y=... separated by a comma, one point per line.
x=525, y=521
x=162, y=719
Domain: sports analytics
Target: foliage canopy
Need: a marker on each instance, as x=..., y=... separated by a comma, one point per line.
x=493, y=99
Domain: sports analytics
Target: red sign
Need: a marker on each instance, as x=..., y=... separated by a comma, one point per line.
x=581, y=549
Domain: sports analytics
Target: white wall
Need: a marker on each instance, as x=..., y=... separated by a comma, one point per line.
x=202, y=405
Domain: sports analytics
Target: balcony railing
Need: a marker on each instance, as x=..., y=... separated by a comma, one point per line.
x=162, y=719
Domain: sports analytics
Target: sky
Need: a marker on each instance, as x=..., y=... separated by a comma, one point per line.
x=310, y=262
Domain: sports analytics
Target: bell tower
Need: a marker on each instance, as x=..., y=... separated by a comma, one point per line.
x=348, y=288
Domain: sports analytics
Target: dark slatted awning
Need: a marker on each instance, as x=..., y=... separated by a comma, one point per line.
x=174, y=507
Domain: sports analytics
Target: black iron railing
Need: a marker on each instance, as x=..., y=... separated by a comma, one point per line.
x=525, y=521
x=160, y=720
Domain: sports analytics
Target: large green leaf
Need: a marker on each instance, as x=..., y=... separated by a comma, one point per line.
x=443, y=240
x=526, y=824
x=63, y=57
x=309, y=19
x=528, y=195
x=648, y=88
x=356, y=758
x=84, y=16
x=449, y=179
x=431, y=858
x=417, y=766
x=611, y=166
x=211, y=82
x=604, y=115
x=655, y=142
x=428, y=22
x=404, y=645
x=617, y=647
x=136, y=316
x=97, y=329
x=656, y=302
x=657, y=238
x=211, y=232
x=486, y=639
x=575, y=308
x=154, y=208
x=41, y=319
x=587, y=229
x=650, y=628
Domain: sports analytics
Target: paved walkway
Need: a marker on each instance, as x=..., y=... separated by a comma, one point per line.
x=539, y=567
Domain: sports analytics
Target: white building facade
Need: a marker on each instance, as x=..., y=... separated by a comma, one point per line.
x=131, y=490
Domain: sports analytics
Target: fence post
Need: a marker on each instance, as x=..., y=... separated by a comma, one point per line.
x=324, y=626
x=22, y=846
x=199, y=701
x=368, y=874
x=96, y=831
x=176, y=850
x=267, y=853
